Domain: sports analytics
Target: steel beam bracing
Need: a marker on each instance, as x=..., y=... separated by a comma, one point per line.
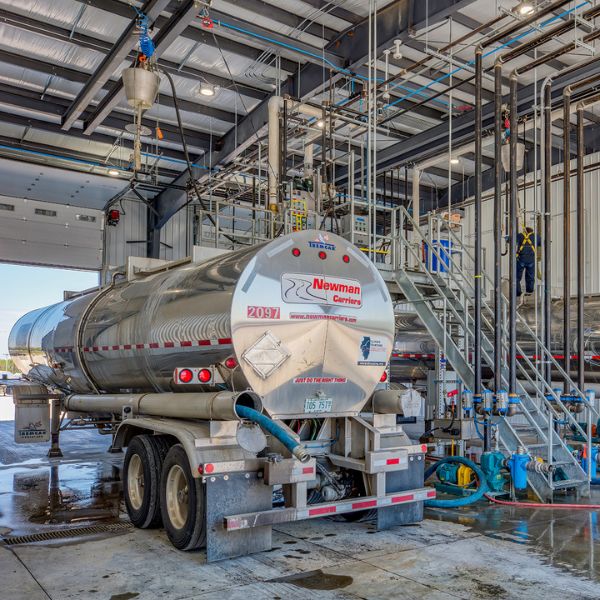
x=392, y=23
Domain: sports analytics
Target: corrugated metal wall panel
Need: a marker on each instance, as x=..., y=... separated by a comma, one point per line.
x=175, y=236
x=119, y=240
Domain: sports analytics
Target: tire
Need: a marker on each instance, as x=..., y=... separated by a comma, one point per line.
x=182, y=502
x=141, y=480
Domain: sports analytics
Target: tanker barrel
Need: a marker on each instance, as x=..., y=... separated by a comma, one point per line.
x=219, y=406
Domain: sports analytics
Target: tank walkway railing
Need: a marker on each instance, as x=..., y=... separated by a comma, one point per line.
x=463, y=316
x=456, y=274
x=454, y=286
x=546, y=354
x=246, y=225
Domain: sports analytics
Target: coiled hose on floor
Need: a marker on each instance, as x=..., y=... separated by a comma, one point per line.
x=295, y=447
x=466, y=500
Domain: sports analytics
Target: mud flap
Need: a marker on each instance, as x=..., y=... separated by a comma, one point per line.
x=397, y=481
x=237, y=494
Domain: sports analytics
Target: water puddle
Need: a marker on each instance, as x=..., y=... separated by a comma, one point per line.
x=58, y=494
x=317, y=580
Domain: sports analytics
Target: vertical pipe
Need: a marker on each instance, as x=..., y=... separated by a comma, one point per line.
x=497, y=227
x=513, y=218
x=478, y=188
x=284, y=144
x=580, y=254
x=547, y=312
x=477, y=392
x=273, y=160
x=323, y=151
x=567, y=235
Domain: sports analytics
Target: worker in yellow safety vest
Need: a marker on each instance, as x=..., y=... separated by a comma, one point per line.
x=527, y=243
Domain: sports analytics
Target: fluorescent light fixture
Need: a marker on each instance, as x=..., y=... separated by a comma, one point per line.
x=207, y=89
x=524, y=8
x=455, y=161
x=114, y=172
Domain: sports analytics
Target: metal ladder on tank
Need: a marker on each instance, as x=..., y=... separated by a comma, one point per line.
x=444, y=303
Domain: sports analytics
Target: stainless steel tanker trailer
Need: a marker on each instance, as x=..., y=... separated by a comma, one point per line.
x=229, y=378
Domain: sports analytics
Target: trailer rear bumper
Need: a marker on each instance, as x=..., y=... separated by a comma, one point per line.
x=287, y=515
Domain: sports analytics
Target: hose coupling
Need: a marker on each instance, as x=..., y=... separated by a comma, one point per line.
x=301, y=453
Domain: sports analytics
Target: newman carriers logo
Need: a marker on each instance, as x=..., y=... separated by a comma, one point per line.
x=322, y=243
x=303, y=288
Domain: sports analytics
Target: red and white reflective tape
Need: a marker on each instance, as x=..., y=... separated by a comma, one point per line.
x=345, y=506
x=519, y=356
x=149, y=346
x=246, y=521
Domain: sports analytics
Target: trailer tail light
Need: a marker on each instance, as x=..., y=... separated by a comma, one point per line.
x=204, y=375
x=231, y=363
x=185, y=375
x=346, y=258
x=322, y=255
x=383, y=377
x=296, y=252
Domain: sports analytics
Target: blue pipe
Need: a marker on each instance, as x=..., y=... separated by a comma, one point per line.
x=295, y=447
x=457, y=502
x=491, y=52
x=595, y=481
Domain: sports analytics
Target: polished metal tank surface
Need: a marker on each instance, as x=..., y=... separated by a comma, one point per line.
x=414, y=347
x=307, y=317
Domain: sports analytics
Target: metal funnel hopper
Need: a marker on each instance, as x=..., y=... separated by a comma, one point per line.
x=141, y=87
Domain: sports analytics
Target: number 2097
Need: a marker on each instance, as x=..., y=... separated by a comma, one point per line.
x=264, y=312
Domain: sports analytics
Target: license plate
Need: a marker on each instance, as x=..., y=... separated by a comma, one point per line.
x=318, y=405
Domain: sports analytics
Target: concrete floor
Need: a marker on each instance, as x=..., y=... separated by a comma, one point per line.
x=488, y=552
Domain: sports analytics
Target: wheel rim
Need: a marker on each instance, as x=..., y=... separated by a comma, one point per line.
x=177, y=497
x=135, y=482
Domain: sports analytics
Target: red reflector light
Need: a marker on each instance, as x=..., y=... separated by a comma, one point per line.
x=322, y=255
x=346, y=258
x=209, y=468
x=185, y=375
x=383, y=377
x=204, y=375
x=296, y=251
x=231, y=363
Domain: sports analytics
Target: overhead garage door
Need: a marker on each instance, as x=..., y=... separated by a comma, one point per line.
x=43, y=233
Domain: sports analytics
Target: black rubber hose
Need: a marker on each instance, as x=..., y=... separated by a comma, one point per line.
x=188, y=162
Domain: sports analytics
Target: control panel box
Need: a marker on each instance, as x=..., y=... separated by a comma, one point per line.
x=357, y=225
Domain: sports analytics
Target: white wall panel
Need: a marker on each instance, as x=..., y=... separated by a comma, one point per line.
x=43, y=233
x=127, y=238
x=533, y=205
x=175, y=236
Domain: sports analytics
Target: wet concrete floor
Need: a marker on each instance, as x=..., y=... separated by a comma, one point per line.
x=482, y=552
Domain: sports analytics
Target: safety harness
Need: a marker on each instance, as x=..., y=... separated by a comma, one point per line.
x=526, y=240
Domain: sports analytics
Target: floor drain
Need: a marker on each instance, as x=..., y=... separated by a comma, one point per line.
x=12, y=540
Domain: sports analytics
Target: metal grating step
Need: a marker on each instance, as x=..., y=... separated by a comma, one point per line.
x=58, y=534
x=567, y=483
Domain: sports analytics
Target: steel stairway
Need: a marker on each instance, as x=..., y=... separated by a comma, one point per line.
x=444, y=303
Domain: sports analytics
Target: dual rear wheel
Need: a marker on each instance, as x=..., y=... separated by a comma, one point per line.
x=159, y=489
